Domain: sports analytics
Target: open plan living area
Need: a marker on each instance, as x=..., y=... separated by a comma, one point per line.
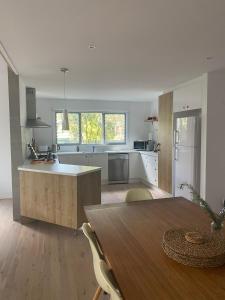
x=112, y=168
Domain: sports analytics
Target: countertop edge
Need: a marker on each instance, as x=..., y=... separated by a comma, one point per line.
x=27, y=169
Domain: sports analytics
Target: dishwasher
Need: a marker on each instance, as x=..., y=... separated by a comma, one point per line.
x=118, y=168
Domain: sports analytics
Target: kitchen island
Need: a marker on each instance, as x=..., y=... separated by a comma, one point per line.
x=56, y=193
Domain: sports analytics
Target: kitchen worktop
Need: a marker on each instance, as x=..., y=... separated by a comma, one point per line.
x=58, y=169
x=108, y=152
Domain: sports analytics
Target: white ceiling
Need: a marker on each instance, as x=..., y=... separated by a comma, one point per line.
x=142, y=46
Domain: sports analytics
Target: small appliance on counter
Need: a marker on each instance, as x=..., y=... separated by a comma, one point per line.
x=140, y=145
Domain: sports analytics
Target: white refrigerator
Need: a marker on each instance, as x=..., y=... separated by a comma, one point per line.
x=186, y=151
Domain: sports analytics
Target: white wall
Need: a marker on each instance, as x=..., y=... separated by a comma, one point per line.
x=5, y=148
x=215, y=155
x=137, y=113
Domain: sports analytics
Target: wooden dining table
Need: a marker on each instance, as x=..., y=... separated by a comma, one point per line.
x=130, y=235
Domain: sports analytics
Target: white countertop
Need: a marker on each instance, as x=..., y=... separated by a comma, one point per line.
x=107, y=152
x=150, y=153
x=58, y=169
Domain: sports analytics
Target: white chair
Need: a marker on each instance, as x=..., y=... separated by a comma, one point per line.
x=102, y=272
x=138, y=194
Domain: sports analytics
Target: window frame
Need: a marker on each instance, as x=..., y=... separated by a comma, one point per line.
x=103, y=128
x=125, y=131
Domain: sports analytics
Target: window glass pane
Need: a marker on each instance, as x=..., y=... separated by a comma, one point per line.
x=70, y=136
x=91, y=128
x=115, y=128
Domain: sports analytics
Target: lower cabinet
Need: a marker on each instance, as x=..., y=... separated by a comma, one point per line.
x=141, y=165
x=150, y=168
x=73, y=159
x=135, y=169
x=99, y=160
x=87, y=159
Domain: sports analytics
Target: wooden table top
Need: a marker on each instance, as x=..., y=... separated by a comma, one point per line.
x=130, y=235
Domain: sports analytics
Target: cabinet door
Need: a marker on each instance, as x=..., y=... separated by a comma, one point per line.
x=154, y=170
x=134, y=165
x=188, y=97
x=99, y=160
x=73, y=159
x=149, y=166
x=166, y=142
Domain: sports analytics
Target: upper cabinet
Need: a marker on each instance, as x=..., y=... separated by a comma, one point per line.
x=188, y=96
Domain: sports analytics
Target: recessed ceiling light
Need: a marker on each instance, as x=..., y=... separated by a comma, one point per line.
x=92, y=46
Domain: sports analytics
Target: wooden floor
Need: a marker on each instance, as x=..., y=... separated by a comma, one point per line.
x=117, y=192
x=41, y=261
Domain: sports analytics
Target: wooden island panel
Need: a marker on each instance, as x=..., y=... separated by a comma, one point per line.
x=58, y=199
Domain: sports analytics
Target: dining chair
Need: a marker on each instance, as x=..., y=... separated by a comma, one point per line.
x=103, y=274
x=138, y=194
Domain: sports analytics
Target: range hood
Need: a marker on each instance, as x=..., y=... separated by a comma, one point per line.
x=32, y=120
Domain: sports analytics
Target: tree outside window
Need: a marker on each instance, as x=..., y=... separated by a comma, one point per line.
x=92, y=128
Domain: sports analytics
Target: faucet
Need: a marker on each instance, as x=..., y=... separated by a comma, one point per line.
x=78, y=148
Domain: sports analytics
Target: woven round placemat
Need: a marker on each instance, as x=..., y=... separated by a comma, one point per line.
x=210, y=253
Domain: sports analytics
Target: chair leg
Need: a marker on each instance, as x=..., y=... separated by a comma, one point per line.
x=97, y=293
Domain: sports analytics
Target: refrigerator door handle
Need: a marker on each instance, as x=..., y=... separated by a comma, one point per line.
x=176, y=137
x=176, y=154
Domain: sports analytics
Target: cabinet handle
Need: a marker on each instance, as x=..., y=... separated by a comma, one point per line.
x=176, y=154
x=176, y=137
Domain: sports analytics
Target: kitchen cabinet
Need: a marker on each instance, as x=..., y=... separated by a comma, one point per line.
x=73, y=159
x=142, y=165
x=58, y=193
x=135, y=168
x=99, y=160
x=188, y=97
x=87, y=159
x=165, y=138
x=150, y=168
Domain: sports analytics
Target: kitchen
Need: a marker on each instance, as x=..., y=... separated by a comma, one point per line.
x=107, y=110
x=132, y=158
x=90, y=141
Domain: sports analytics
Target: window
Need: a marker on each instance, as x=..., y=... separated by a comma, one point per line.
x=115, y=128
x=68, y=136
x=92, y=128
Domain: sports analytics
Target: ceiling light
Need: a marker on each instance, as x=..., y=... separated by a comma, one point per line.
x=65, y=119
x=92, y=46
